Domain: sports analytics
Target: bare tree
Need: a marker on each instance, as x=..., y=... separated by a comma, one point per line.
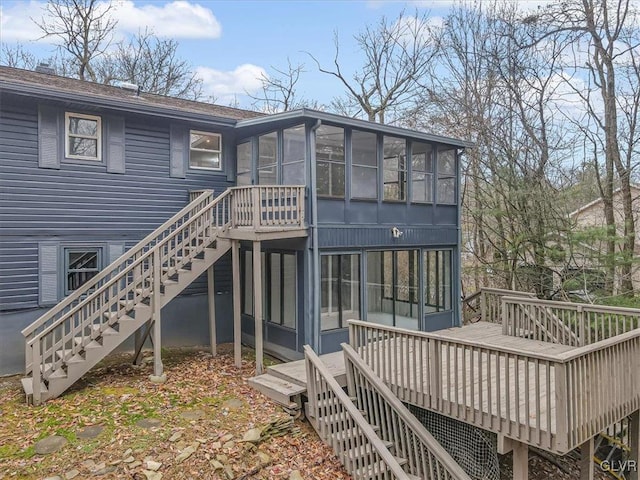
x=83, y=29
x=397, y=54
x=153, y=64
x=18, y=57
x=279, y=92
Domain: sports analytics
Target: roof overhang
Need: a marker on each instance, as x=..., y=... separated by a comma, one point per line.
x=308, y=114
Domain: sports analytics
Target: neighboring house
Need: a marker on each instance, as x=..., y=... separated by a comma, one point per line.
x=87, y=170
x=592, y=215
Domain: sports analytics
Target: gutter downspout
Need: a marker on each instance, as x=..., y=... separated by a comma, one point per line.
x=314, y=239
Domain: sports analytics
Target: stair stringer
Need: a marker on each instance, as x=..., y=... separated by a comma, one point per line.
x=135, y=317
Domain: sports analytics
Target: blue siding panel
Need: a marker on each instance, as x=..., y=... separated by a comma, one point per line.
x=377, y=236
x=82, y=202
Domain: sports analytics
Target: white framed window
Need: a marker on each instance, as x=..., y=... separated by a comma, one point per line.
x=80, y=265
x=83, y=136
x=205, y=150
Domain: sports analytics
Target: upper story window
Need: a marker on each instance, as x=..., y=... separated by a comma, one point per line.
x=293, y=155
x=447, y=176
x=364, y=170
x=421, y=173
x=243, y=155
x=330, y=161
x=268, y=159
x=205, y=150
x=394, y=168
x=83, y=136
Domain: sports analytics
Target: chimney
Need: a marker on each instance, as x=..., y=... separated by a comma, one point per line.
x=45, y=68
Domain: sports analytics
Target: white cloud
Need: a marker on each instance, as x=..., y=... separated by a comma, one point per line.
x=16, y=24
x=225, y=85
x=177, y=19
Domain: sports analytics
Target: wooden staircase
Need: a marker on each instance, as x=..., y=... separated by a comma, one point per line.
x=72, y=337
x=372, y=433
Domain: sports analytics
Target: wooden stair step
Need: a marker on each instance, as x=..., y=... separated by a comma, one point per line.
x=277, y=389
x=92, y=344
x=27, y=386
x=371, y=472
x=352, y=433
x=104, y=331
x=367, y=449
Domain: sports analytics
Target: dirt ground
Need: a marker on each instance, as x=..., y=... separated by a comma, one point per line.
x=191, y=427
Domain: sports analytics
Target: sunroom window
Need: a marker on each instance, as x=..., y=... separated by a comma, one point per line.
x=437, y=281
x=294, y=145
x=447, y=176
x=205, y=150
x=243, y=154
x=395, y=168
x=421, y=173
x=268, y=159
x=330, y=161
x=340, y=290
x=83, y=136
x=364, y=173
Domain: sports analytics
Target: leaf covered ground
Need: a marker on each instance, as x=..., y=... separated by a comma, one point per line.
x=202, y=411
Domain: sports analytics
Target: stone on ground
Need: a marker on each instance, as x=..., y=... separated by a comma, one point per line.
x=252, y=435
x=192, y=415
x=175, y=437
x=50, y=444
x=149, y=422
x=151, y=475
x=296, y=475
x=71, y=474
x=153, y=466
x=187, y=452
x=90, y=432
x=233, y=404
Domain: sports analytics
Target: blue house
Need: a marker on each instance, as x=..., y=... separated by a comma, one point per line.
x=126, y=214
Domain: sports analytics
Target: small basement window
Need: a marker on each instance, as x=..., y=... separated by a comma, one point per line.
x=83, y=136
x=205, y=150
x=80, y=265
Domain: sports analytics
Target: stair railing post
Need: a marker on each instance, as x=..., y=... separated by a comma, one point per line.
x=36, y=372
x=483, y=305
x=155, y=303
x=256, y=207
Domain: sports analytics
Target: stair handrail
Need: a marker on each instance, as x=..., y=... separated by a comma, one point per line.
x=410, y=422
x=202, y=200
x=34, y=354
x=128, y=268
x=313, y=362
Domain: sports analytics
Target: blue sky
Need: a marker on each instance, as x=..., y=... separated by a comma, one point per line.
x=233, y=42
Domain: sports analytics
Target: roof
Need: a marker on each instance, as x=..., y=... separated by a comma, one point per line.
x=28, y=82
x=306, y=113
x=599, y=200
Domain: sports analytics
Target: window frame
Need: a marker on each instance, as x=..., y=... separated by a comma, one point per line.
x=446, y=176
x=444, y=302
x=401, y=171
x=341, y=324
x=68, y=135
x=354, y=166
x=214, y=134
x=332, y=164
x=66, y=250
x=427, y=172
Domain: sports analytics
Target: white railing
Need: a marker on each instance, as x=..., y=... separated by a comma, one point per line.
x=554, y=401
x=491, y=302
x=268, y=206
x=426, y=458
x=341, y=425
x=135, y=276
x=574, y=324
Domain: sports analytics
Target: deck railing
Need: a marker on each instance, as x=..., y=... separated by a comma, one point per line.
x=426, y=458
x=555, y=402
x=341, y=425
x=574, y=324
x=268, y=206
x=486, y=304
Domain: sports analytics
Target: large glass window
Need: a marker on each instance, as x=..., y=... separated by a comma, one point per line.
x=364, y=170
x=330, y=161
x=279, y=287
x=340, y=290
x=293, y=155
x=268, y=159
x=243, y=154
x=421, y=173
x=84, y=136
x=395, y=168
x=392, y=288
x=447, y=176
x=437, y=281
x=81, y=265
x=205, y=150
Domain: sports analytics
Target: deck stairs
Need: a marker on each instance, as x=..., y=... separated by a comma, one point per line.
x=72, y=337
x=372, y=433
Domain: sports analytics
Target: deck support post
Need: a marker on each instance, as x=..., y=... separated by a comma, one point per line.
x=211, y=296
x=634, y=444
x=257, y=304
x=520, y=461
x=158, y=368
x=237, y=323
x=587, y=465
x=137, y=345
